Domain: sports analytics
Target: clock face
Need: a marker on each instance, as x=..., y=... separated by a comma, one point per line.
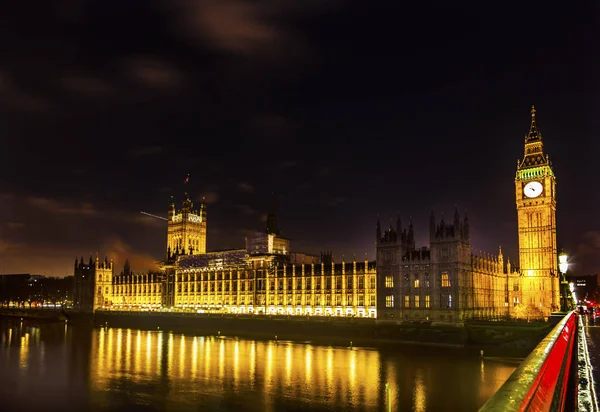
x=533, y=189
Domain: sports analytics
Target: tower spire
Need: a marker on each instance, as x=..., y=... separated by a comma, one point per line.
x=534, y=151
x=272, y=226
x=534, y=133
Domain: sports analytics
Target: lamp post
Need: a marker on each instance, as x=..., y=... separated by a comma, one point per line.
x=563, y=266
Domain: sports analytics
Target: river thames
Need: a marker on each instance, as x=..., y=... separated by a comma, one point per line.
x=56, y=366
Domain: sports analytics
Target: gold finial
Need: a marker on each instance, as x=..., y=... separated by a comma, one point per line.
x=532, y=110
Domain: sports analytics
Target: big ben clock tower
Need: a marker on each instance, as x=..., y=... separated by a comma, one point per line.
x=535, y=186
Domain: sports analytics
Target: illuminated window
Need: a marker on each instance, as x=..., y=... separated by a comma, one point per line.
x=389, y=281
x=427, y=301
x=445, y=280
x=389, y=301
x=372, y=300
x=449, y=301
x=416, y=283
x=417, y=301
x=407, y=301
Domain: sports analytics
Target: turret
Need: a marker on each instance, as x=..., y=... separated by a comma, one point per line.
x=126, y=268
x=171, y=213
x=272, y=225
x=203, y=209
x=186, y=206
x=500, y=259
x=466, y=232
x=411, y=236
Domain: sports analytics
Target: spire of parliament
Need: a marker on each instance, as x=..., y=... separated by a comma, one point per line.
x=534, y=133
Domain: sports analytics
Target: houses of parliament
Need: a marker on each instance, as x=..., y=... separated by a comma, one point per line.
x=449, y=281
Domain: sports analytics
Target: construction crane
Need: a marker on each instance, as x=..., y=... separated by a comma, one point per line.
x=151, y=215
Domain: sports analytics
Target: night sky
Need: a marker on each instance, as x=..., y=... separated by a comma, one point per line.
x=343, y=109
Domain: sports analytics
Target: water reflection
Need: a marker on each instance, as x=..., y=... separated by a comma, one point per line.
x=121, y=368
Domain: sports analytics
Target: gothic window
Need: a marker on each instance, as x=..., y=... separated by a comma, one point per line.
x=372, y=282
x=426, y=280
x=389, y=281
x=427, y=301
x=349, y=286
x=445, y=280
x=361, y=282
x=328, y=283
x=446, y=301
x=338, y=282
x=406, y=280
x=406, y=301
x=372, y=300
x=416, y=281
x=389, y=301
x=417, y=301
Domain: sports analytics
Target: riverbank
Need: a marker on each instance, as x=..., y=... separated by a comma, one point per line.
x=47, y=315
x=495, y=338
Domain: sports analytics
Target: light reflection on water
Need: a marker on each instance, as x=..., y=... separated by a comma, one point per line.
x=116, y=369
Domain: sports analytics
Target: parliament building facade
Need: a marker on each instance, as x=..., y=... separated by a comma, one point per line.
x=448, y=281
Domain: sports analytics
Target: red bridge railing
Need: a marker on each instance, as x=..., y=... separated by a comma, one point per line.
x=546, y=379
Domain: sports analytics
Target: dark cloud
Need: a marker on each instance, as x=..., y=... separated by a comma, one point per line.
x=87, y=85
x=246, y=187
x=61, y=207
x=107, y=106
x=587, y=254
x=208, y=197
x=154, y=72
x=14, y=97
x=240, y=27
x=245, y=209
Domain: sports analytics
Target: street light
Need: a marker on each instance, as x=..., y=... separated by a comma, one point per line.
x=563, y=265
x=565, y=298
